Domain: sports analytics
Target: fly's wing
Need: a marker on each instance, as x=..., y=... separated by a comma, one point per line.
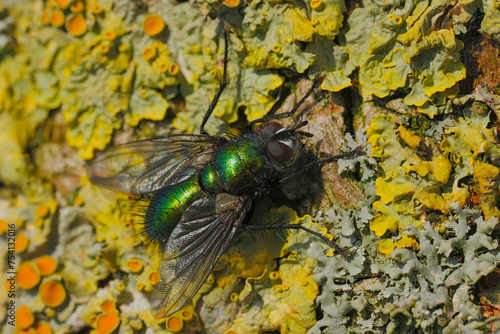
x=149, y=165
x=194, y=247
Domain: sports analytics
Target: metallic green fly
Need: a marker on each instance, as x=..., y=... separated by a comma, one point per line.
x=201, y=189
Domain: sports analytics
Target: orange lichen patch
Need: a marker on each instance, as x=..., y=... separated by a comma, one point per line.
x=21, y=243
x=153, y=25
x=160, y=320
x=317, y=4
x=10, y=285
x=24, y=317
x=27, y=276
x=234, y=297
x=274, y=275
x=76, y=24
x=140, y=286
x=231, y=3
x=76, y=7
x=174, y=324
x=108, y=306
x=56, y=18
x=107, y=323
x=314, y=21
x=62, y=3
x=173, y=69
x=304, y=282
x=103, y=48
x=79, y=200
x=395, y=18
x=43, y=328
x=42, y=211
x=153, y=277
x=109, y=34
x=134, y=265
x=277, y=48
x=285, y=287
x=3, y=226
x=163, y=65
x=148, y=53
x=52, y=293
x=186, y=315
x=231, y=332
x=96, y=9
x=123, y=48
x=46, y=264
x=39, y=222
x=30, y=330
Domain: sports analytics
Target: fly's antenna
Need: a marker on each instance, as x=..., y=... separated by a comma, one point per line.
x=223, y=83
x=316, y=82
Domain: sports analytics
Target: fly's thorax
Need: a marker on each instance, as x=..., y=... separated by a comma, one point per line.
x=239, y=165
x=167, y=206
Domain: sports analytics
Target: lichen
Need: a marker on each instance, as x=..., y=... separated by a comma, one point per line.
x=418, y=210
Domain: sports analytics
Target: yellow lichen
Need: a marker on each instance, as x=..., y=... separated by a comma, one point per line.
x=387, y=246
x=25, y=331
x=409, y=179
x=96, y=8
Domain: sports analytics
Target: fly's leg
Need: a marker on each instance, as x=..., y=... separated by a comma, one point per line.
x=317, y=81
x=223, y=83
x=344, y=251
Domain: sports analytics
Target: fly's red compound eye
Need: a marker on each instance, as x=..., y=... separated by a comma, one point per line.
x=269, y=129
x=282, y=152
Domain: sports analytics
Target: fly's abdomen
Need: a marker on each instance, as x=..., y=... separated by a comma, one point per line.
x=166, y=207
x=235, y=167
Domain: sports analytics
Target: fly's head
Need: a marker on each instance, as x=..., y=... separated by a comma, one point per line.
x=283, y=144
